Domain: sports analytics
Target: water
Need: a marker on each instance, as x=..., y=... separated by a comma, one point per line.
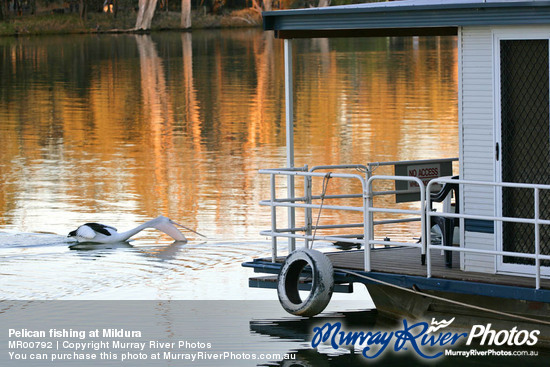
x=119, y=129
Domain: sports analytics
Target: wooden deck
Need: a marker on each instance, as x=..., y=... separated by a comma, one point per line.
x=396, y=270
x=401, y=266
x=406, y=261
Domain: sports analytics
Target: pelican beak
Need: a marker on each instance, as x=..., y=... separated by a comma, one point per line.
x=184, y=227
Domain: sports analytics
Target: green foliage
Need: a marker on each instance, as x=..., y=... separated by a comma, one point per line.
x=41, y=24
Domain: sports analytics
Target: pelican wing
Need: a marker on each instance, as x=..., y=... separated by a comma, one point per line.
x=86, y=232
x=101, y=228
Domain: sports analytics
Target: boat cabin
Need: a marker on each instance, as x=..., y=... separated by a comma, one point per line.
x=502, y=189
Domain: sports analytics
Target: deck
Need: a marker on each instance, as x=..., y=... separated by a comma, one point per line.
x=401, y=266
x=406, y=261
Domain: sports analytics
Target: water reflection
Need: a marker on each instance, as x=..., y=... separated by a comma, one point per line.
x=119, y=129
x=297, y=328
x=300, y=331
x=157, y=253
x=131, y=126
x=92, y=246
x=263, y=331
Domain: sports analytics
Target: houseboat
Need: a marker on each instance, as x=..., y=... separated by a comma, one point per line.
x=498, y=265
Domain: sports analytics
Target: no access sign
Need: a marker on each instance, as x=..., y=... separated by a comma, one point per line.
x=425, y=171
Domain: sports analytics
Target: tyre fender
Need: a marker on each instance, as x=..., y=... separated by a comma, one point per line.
x=322, y=283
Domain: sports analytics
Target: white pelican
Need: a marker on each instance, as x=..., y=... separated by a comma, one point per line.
x=100, y=233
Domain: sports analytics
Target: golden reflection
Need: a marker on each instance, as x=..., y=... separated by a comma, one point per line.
x=158, y=117
x=125, y=127
x=190, y=102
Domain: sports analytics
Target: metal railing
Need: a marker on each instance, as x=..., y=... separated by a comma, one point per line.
x=307, y=232
x=366, y=238
x=536, y=221
x=372, y=209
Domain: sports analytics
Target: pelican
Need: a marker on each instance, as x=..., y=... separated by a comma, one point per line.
x=100, y=233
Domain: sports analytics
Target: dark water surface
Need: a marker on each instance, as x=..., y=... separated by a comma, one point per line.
x=260, y=336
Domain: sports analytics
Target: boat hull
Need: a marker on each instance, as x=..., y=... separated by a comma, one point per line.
x=398, y=303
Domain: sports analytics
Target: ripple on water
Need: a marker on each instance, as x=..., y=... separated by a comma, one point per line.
x=135, y=270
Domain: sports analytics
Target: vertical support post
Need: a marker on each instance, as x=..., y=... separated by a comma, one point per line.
x=308, y=212
x=537, y=238
x=461, y=221
x=368, y=227
x=426, y=232
x=289, y=113
x=273, y=220
x=368, y=233
x=289, y=103
x=370, y=203
x=425, y=229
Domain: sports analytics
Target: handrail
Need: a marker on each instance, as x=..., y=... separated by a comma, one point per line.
x=424, y=214
x=371, y=209
x=305, y=202
x=310, y=174
x=536, y=221
x=340, y=166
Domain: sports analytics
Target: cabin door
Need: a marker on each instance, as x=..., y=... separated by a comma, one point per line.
x=524, y=152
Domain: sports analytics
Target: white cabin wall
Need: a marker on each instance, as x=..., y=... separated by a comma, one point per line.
x=477, y=140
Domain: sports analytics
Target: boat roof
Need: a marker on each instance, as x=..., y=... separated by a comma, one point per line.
x=404, y=18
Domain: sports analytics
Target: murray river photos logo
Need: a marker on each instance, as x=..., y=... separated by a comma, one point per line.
x=429, y=341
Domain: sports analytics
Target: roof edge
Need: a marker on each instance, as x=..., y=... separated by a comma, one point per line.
x=343, y=9
x=331, y=21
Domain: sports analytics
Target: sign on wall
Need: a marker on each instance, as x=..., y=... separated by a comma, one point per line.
x=425, y=171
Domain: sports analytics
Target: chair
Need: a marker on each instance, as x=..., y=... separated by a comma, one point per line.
x=446, y=225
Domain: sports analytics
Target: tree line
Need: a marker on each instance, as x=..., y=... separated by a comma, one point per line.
x=146, y=9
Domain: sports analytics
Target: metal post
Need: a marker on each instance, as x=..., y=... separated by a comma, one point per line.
x=426, y=234
x=368, y=227
x=368, y=234
x=273, y=220
x=289, y=104
x=308, y=211
x=370, y=202
x=537, y=238
x=289, y=110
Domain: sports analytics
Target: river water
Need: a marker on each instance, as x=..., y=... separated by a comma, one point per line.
x=119, y=129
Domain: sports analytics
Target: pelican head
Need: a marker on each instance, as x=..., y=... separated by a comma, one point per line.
x=167, y=226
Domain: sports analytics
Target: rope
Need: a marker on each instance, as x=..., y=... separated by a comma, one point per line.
x=323, y=193
x=418, y=292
